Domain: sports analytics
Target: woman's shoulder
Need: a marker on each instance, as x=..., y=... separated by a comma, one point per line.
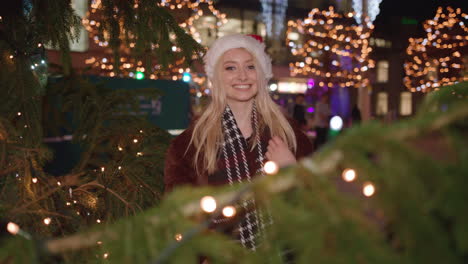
x=183, y=140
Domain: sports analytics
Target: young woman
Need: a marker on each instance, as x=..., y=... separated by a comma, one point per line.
x=241, y=128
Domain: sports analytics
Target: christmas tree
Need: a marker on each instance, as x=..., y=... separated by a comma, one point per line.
x=333, y=50
x=352, y=202
x=411, y=174
x=117, y=156
x=438, y=59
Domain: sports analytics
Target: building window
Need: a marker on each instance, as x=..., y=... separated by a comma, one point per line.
x=382, y=103
x=382, y=71
x=405, y=104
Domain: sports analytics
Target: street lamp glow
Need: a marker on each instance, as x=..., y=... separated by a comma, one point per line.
x=273, y=87
x=336, y=123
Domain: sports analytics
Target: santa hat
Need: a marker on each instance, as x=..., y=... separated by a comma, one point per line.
x=252, y=44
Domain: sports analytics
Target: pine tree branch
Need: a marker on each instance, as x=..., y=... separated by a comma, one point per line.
x=96, y=184
x=271, y=185
x=17, y=210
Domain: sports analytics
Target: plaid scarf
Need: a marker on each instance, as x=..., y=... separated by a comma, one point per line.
x=236, y=169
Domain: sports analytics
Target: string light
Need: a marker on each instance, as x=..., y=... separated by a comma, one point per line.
x=435, y=60
x=229, y=211
x=208, y=204
x=178, y=237
x=270, y=167
x=349, y=175
x=106, y=255
x=34, y=180
x=98, y=221
x=368, y=189
x=129, y=65
x=47, y=220
x=330, y=34
x=103, y=169
x=13, y=228
x=135, y=140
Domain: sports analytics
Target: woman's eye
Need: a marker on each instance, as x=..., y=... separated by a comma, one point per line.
x=229, y=68
x=251, y=67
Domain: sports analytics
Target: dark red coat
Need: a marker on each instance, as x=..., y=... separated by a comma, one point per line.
x=179, y=169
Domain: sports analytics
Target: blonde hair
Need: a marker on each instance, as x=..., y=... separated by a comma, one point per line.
x=207, y=137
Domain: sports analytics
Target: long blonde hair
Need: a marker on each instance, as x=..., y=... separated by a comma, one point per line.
x=207, y=137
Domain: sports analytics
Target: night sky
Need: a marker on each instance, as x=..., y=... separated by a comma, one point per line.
x=417, y=9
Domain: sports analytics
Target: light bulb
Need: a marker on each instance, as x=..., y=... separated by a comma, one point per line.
x=270, y=167
x=349, y=175
x=208, y=204
x=336, y=123
x=13, y=228
x=178, y=237
x=368, y=189
x=229, y=211
x=47, y=220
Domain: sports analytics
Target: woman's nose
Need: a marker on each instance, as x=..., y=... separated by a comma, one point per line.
x=242, y=74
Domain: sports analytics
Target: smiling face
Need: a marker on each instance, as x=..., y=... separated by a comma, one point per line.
x=238, y=75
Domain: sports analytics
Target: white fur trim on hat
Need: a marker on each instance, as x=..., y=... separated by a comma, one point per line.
x=223, y=44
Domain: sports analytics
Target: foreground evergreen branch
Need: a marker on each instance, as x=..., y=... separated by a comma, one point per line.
x=112, y=176
x=419, y=197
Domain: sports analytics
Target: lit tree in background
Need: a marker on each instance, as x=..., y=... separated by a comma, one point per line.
x=335, y=51
x=438, y=59
x=139, y=55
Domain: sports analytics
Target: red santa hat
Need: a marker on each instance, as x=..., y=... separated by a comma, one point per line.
x=251, y=43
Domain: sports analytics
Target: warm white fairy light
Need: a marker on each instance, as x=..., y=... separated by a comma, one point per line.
x=208, y=204
x=178, y=237
x=98, y=221
x=270, y=167
x=13, y=228
x=99, y=242
x=139, y=154
x=368, y=189
x=119, y=148
x=436, y=60
x=103, y=169
x=106, y=255
x=47, y=221
x=120, y=167
x=135, y=140
x=349, y=175
x=130, y=65
x=34, y=180
x=229, y=211
x=19, y=113
x=68, y=203
x=333, y=35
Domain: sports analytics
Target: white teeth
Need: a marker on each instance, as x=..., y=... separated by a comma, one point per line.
x=243, y=86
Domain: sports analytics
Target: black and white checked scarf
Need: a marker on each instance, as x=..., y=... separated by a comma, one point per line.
x=237, y=170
